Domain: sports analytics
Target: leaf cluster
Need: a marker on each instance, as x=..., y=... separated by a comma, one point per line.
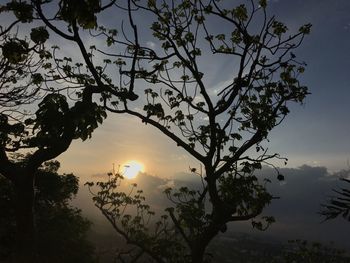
x=82, y=12
x=338, y=205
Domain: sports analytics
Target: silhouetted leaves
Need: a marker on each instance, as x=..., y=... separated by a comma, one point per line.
x=82, y=11
x=15, y=50
x=134, y=219
x=39, y=35
x=338, y=205
x=22, y=10
x=218, y=129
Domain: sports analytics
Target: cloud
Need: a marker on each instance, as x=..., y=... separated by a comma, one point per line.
x=168, y=184
x=301, y=196
x=296, y=211
x=151, y=44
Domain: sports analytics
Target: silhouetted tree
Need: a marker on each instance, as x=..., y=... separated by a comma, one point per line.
x=61, y=229
x=29, y=73
x=225, y=130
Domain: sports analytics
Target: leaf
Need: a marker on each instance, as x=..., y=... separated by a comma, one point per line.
x=240, y=13
x=15, y=50
x=263, y=3
x=39, y=35
x=37, y=78
x=305, y=29
x=236, y=136
x=22, y=11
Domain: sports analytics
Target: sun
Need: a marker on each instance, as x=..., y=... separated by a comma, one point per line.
x=131, y=169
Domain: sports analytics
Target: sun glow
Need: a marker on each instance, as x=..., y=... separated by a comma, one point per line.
x=131, y=169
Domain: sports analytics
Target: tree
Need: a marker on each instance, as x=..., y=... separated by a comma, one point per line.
x=162, y=239
x=226, y=132
x=31, y=74
x=61, y=228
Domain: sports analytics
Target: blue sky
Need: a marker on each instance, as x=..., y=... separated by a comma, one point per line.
x=319, y=131
x=316, y=133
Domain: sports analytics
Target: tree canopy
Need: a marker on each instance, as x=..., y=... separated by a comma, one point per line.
x=225, y=130
x=168, y=86
x=36, y=116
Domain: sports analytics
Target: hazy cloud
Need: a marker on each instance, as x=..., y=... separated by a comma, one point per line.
x=296, y=212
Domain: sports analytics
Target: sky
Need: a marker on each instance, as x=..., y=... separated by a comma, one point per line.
x=315, y=133
x=314, y=136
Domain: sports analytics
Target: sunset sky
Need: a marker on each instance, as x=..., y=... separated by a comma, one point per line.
x=314, y=136
x=316, y=133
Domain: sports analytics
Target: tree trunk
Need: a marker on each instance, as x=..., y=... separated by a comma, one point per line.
x=25, y=227
x=199, y=246
x=197, y=253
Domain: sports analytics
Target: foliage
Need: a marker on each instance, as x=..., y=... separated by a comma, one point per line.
x=82, y=12
x=226, y=131
x=61, y=228
x=31, y=74
x=338, y=205
x=19, y=76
